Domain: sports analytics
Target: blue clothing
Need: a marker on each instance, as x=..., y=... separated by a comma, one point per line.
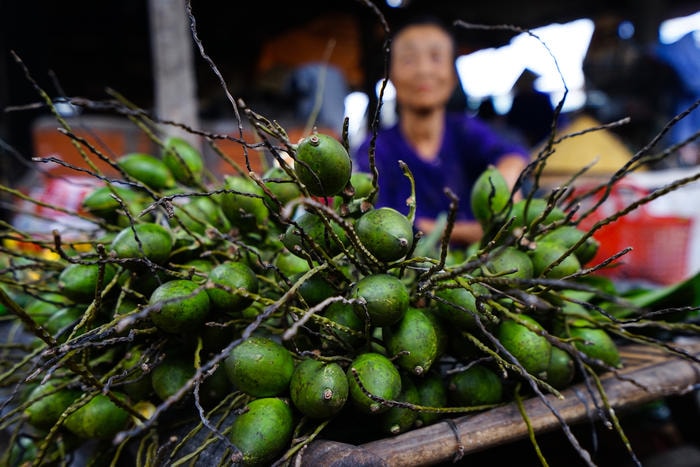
x=469, y=145
x=684, y=56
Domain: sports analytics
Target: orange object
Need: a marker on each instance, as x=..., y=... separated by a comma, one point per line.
x=660, y=244
x=310, y=42
x=109, y=136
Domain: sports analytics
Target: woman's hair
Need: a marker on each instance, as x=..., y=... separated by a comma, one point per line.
x=424, y=20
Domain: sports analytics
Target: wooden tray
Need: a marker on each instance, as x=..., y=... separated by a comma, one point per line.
x=649, y=374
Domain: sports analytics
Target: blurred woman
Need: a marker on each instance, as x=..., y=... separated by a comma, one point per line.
x=442, y=149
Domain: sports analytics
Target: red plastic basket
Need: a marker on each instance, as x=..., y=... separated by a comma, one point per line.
x=660, y=244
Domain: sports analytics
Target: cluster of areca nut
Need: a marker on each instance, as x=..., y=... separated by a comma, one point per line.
x=291, y=301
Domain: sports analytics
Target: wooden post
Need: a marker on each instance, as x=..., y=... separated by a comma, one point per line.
x=174, y=78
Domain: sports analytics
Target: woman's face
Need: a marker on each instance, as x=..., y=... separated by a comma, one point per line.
x=422, y=67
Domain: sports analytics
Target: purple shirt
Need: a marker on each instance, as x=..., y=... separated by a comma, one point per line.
x=468, y=147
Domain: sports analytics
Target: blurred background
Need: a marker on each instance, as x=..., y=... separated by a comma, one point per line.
x=600, y=61
x=617, y=58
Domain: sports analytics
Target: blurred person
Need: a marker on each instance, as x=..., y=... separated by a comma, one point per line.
x=318, y=90
x=629, y=80
x=683, y=56
x=531, y=112
x=442, y=149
